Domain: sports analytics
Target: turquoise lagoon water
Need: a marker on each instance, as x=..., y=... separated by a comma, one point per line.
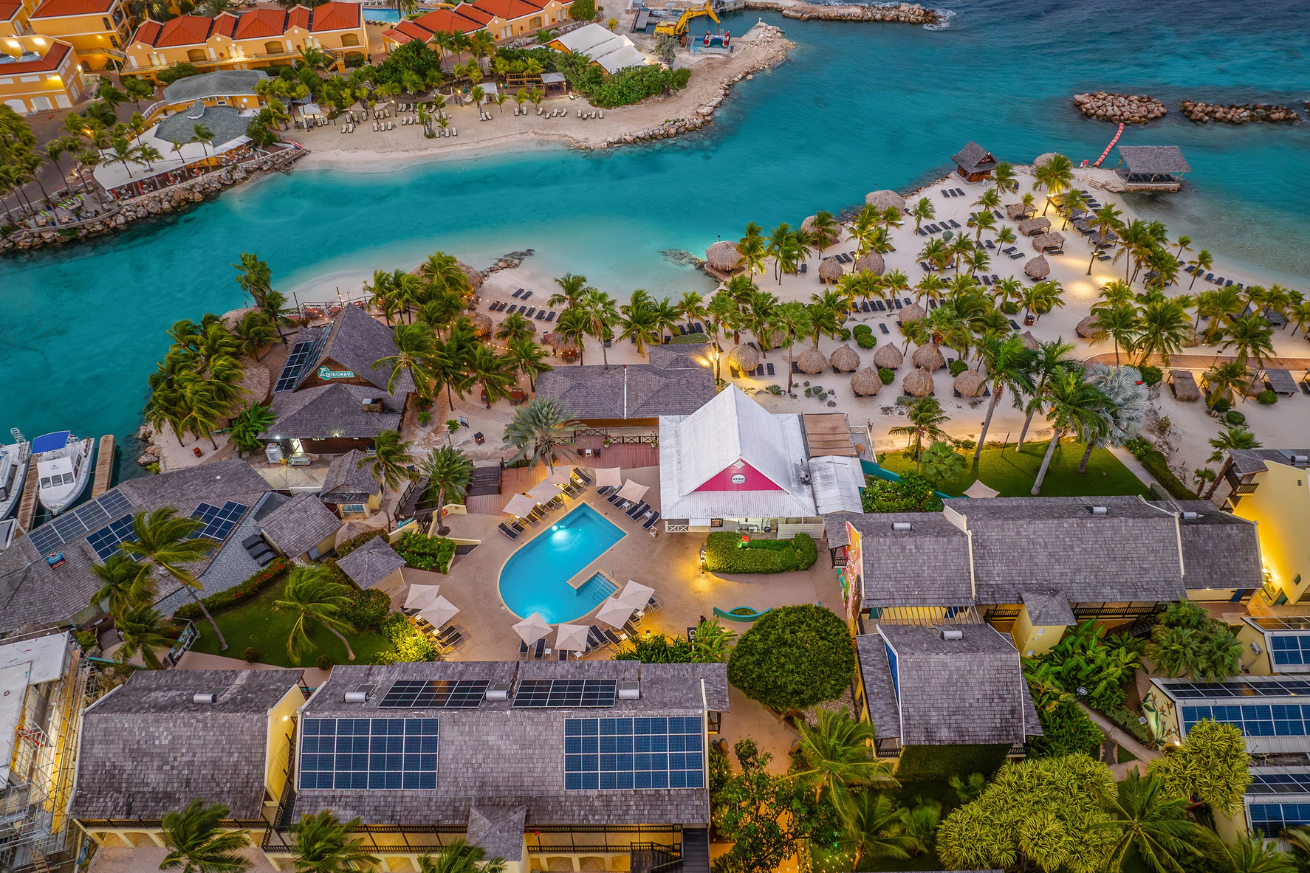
x=536, y=577
x=857, y=107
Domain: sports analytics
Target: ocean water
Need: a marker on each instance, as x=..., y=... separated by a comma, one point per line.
x=857, y=107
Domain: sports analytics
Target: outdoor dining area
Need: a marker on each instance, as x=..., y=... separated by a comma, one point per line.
x=528, y=509
x=431, y=614
x=617, y=620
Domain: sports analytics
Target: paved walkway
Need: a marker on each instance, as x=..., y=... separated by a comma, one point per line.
x=1125, y=739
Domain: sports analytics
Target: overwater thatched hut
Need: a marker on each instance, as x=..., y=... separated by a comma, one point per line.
x=918, y=383
x=723, y=257
x=845, y=360
x=812, y=361
x=1038, y=267
x=1184, y=387
x=1086, y=327
x=866, y=383
x=970, y=384
x=831, y=270
x=481, y=324
x=744, y=358
x=888, y=356
x=1029, y=340
x=912, y=313
x=1034, y=226
x=928, y=357
x=871, y=261
x=883, y=199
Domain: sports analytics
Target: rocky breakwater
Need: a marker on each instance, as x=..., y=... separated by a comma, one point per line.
x=1234, y=113
x=1122, y=108
x=899, y=13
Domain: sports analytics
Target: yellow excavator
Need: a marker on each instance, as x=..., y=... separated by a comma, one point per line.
x=680, y=28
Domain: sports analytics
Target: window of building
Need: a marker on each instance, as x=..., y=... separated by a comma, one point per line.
x=273, y=48
x=195, y=55
x=349, y=39
x=536, y=22
x=105, y=22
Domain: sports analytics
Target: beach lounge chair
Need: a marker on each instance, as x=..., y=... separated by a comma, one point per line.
x=986, y=280
x=531, y=309
x=883, y=327
x=1209, y=277
x=517, y=294
x=527, y=294
x=945, y=193
x=606, y=491
x=989, y=244
x=551, y=317
x=759, y=371
x=523, y=651
x=897, y=303
x=654, y=517
x=639, y=510
x=615, y=499
x=540, y=650
x=1014, y=324
x=612, y=638
x=507, y=531
x=795, y=368
x=864, y=306
x=583, y=477
x=805, y=268
x=932, y=304
x=880, y=306
x=959, y=192
x=954, y=223
x=769, y=368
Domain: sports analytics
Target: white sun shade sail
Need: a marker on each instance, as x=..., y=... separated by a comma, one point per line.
x=980, y=491
x=560, y=476
x=609, y=477
x=421, y=596
x=519, y=505
x=615, y=612
x=633, y=490
x=532, y=628
x=571, y=638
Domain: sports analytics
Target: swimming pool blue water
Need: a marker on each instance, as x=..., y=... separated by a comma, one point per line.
x=536, y=577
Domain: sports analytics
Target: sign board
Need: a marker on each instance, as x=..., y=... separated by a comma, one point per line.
x=463, y=422
x=325, y=373
x=738, y=479
x=851, y=582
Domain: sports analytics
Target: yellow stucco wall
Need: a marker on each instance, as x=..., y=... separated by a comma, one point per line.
x=1256, y=665
x=222, y=53
x=1032, y=640
x=96, y=37
x=39, y=91
x=1281, y=508
x=279, y=749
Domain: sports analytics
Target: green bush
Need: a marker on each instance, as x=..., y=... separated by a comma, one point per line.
x=913, y=493
x=237, y=593
x=1151, y=375
x=424, y=552
x=583, y=10
x=1221, y=406
x=887, y=375
x=1266, y=397
x=356, y=541
x=1009, y=307
x=410, y=645
x=1156, y=464
x=864, y=337
x=366, y=609
x=175, y=72
x=251, y=654
x=1139, y=447
x=920, y=763
x=845, y=334
x=414, y=56
x=1234, y=418
x=87, y=640
x=793, y=658
x=1066, y=728
x=324, y=662
x=726, y=553
x=634, y=84
x=958, y=367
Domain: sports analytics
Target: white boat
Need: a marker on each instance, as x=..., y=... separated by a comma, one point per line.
x=63, y=468
x=13, y=472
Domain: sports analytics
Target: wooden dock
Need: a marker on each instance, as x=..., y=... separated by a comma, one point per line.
x=27, y=506
x=104, y=466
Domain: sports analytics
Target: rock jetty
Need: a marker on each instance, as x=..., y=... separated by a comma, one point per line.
x=1122, y=108
x=1234, y=113
x=899, y=13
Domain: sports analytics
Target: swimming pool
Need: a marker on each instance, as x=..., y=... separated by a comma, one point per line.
x=536, y=577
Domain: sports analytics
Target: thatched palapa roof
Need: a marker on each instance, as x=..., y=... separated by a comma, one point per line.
x=1029, y=340
x=1192, y=338
x=883, y=199
x=845, y=360
x=888, y=356
x=744, y=358
x=1038, y=267
x=723, y=256
x=970, y=384
x=475, y=275
x=1047, y=241
x=866, y=383
x=481, y=324
x=871, y=261
x=918, y=382
x=928, y=358
x=559, y=344
x=830, y=270
x=1086, y=327
x=1034, y=226
x=812, y=361
x=911, y=313
x=1016, y=211
x=1042, y=158
x=1184, y=385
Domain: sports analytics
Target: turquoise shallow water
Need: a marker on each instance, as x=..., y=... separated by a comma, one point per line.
x=536, y=577
x=857, y=107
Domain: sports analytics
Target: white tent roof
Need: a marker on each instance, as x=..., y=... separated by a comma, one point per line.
x=621, y=58
x=615, y=612
x=582, y=40
x=421, y=596
x=611, y=477
x=560, y=476
x=519, y=505
x=440, y=612
x=837, y=482
x=980, y=491
x=611, y=50
x=635, y=594
x=543, y=491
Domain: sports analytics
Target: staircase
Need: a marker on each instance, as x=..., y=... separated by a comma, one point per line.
x=695, y=850
x=653, y=857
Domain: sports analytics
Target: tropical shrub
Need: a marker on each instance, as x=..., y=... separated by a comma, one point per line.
x=1233, y=418
x=1009, y=307
x=410, y=645
x=367, y=609
x=864, y=337
x=1211, y=766
x=175, y=72
x=583, y=10
x=324, y=662
x=633, y=84
x=913, y=493
x=251, y=654
x=793, y=658
x=414, y=56
x=356, y=541
x=923, y=763
x=237, y=593
x=957, y=367
x=87, y=640
x=655, y=649
x=423, y=552
x=1151, y=375
x=726, y=553
x=887, y=375
x=1066, y=728
x=1087, y=659
x=1266, y=398
x=1222, y=405
x=1158, y=466
x=1187, y=641
x=845, y=334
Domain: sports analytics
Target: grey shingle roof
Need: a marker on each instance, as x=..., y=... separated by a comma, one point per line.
x=494, y=754
x=879, y=693
x=497, y=829
x=332, y=411
x=1048, y=609
x=960, y=692
x=33, y=593
x=225, y=122
x=357, y=342
x=300, y=524
x=927, y=565
x=1248, y=461
x=345, y=476
x=371, y=563
x=674, y=383
x=147, y=749
x=973, y=158
x=1153, y=159
x=1220, y=550
x=220, y=83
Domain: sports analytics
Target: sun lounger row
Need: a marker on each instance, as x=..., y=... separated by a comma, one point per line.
x=521, y=294
x=525, y=311
x=952, y=192
x=696, y=327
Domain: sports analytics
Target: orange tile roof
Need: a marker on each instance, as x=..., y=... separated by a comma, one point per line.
x=261, y=22
x=225, y=24
x=508, y=10
x=335, y=15
x=57, y=8
x=8, y=8
x=147, y=33
x=449, y=20
x=183, y=30
x=298, y=17
x=47, y=64
x=406, y=31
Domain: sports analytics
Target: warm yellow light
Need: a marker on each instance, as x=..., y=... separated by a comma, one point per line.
x=38, y=40
x=13, y=43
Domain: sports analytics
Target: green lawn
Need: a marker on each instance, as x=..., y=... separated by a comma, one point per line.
x=254, y=623
x=1013, y=473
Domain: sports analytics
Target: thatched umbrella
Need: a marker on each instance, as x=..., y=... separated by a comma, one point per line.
x=723, y=257
x=1034, y=226
x=871, y=261
x=845, y=360
x=918, y=382
x=481, y=325
x=928, y=357
x=866, y=383
x=744, y=358
x=1184, y=385
x=475, y=276
x=1042, y=158
x=1086, y=327
x=808, y=224
x=1192, y=338
x=969, y=384
x=911, y=313
x=883, y=199
x=812, y=361
x=1016, y=211
x=831, y=270
x=559, y=344
x=1029, y=340
x=888, y=356
x=1038, y=267
x=1051, y=240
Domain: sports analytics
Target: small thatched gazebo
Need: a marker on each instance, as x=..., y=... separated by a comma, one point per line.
x=1042, y=158
x=845, y=360
x=883, y=199
x=1184, y=387
x=723, y=257
x=1034, y=226
x=970, y=384
x=918, y=383
x=744, y=358
x=481, y=324
x=349, y=530
x=812, y=361
x=831, y=270
x=911, y=313
x=928, y=358
x=888, y=356
x=561, y=346
x=871, y=261
x=866, y=383
x=1086, y=327
x=1038, y=267
x=1029, y=340
x=1052, y=241
x=1017, y=211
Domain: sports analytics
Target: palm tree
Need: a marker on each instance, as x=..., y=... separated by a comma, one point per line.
x=1073, y=403
x=1251, y=338
x=922, y=211
x=312, y=595
x=925, y=420
x=1003, y=175
x=751, y=247
x=1224, y=380
x=124, y=583
x=1124, y=415
x=1008, y=362
x=540, y=432
x=198, y=843
x=1202, y=262
x=202, y=135
x=143, y=630
x=1119, y=323
x=825, y=230
x=1042, y=298
x=837, y=756
x=1050, y=358
x=1056, y=176
x=793, y=320
x=515, y=327
x=1151, y=823
x=494, y=373
x=529, y=358
x=1252, y=853
x=639, y=321
x=1072, y=201
x=1162, y=330
x=691, y=307
x=449, y=472
x=875, y=828
x=389, y=464
x=324, y=845
x=459, y=857
x=572, y=290
x=573, y=327
x=255, y=331
x=601, y=314
x=165, y=540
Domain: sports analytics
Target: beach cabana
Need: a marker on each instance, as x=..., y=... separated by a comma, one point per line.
x=1192, y=338
x=554, y=84
x=609, y=477
x=888, y=357
x=866, y=383
x=723, y=258
x=830, y=270
x=481, y=325
x=1184, y=385
x=1017, y=211
x=1038, y=267
x=562, y=347
x=911, y=313
x=974, y=162
x=845, y=360
x=1049, y=242
x=969, y=384
x=744, y=358
x=880, y=200
x=871, y=261
x=1034, y=226
x=1280, y=382
x=928, y=358
x=918, y=383
x=1086, y=327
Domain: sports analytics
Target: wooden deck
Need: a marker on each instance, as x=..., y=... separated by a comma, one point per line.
x=27, y=506
x=104, y=466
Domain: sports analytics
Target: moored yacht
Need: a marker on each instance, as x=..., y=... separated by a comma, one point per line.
x=13, y=472
x=63, y=466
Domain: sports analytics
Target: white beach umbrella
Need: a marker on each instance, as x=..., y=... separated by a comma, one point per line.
x=635, y=594
x=532, y=628
x=609, y=477
x=421, y=596
x=615, y=612
x=633, y=490
x=571, y=638
x=543, y=492
x=440, y=612
x=980, y=491
x=560, y=476
x=519, y=505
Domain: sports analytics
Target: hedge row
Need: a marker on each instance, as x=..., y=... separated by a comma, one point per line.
x=358, y=540
x=1155, y=463
x=725, y=553
x=236, y=594
x=424, y=552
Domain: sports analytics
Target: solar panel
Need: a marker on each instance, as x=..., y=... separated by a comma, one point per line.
x=463, y=694
x=219, y=521
x=1279, y=783
x=1282, y=622
x=1271, y=688
x=368, y=753
x=566, y=692
x=626, y=753
x=1273, y=818
x=1254, y=719
x=1288, y=649
x=296, y=362
x=79, y=522
x=105, y=541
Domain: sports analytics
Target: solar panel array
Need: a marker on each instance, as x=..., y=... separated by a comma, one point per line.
x=302, y=354
x=1279, y=783
x=626, y=753
x=1271, y=688
x=219, y=521
x=105, y=541
x=1254, y=719
x=1290, y=649
x=1273, y=818
x=368, y=753
x=581, y=693
x=78, y=523
x=1282, y=622
x=462, y=694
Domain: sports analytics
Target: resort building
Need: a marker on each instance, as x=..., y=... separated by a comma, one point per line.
x=733, y=465
x=947, y=685
x=677, y=381
x=973, y=162
x=43, y=687
x=349, y=489
x=1271, y=488
x=96, y=29
x=46, y=578
x=375, y=565
x=38, y=74
x=332, y=396
x=302, y=528
x=503, y=19
x=1151, y=168
x=258, y=37
x=611, y=51
x=167, y=737
x=235, y=88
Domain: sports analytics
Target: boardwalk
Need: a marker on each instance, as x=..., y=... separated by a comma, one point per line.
x=27, y=506
x=104, y=466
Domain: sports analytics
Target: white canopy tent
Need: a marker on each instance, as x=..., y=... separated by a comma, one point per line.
x=532, y=628
x=421, y=596
x=609, y=477
x=519, y=505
